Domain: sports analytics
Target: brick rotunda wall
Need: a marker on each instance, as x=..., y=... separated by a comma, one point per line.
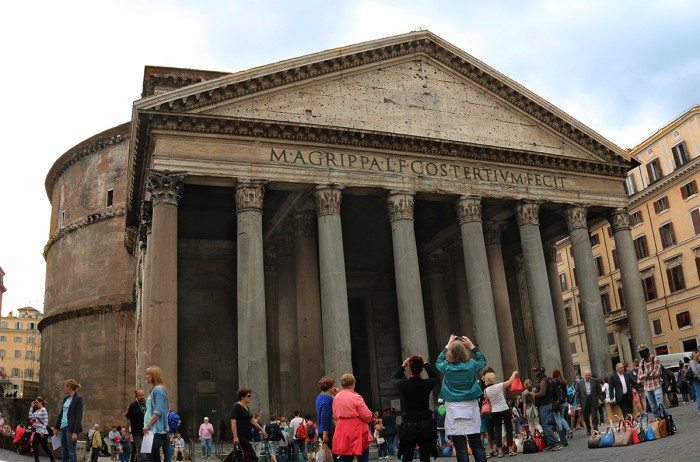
x=89, y=324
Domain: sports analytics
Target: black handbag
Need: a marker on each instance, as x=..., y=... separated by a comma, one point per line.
x=529, y=446
x=239, y=455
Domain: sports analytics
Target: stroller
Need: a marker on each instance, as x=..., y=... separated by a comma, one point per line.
x=24, y=446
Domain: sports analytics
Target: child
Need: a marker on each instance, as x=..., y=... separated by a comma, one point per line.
x=179, y=447
x=382, y=445
x=125, y=446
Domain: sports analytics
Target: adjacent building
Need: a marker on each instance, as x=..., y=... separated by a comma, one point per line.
x=20, y=347
x=665, y=221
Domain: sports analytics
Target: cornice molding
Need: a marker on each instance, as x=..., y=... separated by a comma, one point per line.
x=668, y=180
x=82, y=223
x=80, y=312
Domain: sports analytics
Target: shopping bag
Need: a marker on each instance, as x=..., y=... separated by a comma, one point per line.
x=668, y=418
x=485, y=406
x=623, y=433
x=607, y=439
x=529, y=446
x=539, y=441
x=516, y=386
x=649, y=434
x=654, y=425
x=594, y=440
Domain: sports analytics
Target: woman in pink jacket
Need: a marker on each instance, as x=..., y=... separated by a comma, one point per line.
x=352, y=416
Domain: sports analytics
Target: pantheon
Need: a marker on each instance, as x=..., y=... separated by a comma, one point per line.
x=325, y=214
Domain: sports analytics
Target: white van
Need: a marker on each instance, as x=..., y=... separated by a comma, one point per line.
x=670, y=361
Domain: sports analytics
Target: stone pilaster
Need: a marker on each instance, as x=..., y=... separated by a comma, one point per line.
x=337, y=351
x=412, y=329
x=252, y=321
x=501, y=301
x=631, y=279
x=548, y=354
x=589, y=291
x=164, y=188
x=483, y=314
x=309, y=323
x=567, y=364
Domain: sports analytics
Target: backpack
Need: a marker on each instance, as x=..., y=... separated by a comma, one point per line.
x=301, y=433
x=173, y=421
x=556, y=394
x=311, y=431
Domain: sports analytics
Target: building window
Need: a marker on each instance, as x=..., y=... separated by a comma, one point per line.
x=3, y=324
x=558, y=257
x=636, y=218
x=28, y=374
x=110, y=197
x=676, y=281
x=575, y=276
x=599, y=265
x=680, y=156
x=683, y=319
x=605, y=302
x=649, y=285
x=611, y=338
x=630, y=185
x=18, y=325
x=614, y=258
x=563, y=283
x=668, y=237
x=572, y=347
x=661, y=205
x=18, y=339
x=610, y=232
x=662, y=350
x=695, y=219
x=621, y=296
x=2, y=354
x=689, y=189
x=595, y=240
x=15, y=372
x=32, y=326
x=3, y=338
x=61, y=218
x=640, y=247
x=569, y=319
x=29, y=355
x=31, y=340
x=654, y=171
x=18, y=354
x=656, y=325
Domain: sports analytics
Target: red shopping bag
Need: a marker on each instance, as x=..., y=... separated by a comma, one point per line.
x=516, y=386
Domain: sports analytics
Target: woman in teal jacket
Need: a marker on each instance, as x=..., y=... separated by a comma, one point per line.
x=459, y=364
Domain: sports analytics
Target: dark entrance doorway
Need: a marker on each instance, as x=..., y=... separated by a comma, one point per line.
x=207, y=406
x=362, y=343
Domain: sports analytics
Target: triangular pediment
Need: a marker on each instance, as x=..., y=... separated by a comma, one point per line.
x=414, y=85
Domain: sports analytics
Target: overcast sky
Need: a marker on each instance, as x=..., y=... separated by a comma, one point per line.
x=72, y=69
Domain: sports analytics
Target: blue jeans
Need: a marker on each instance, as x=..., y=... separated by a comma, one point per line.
x=391, y=444
x=68, y=448
x=561, y=421
x=546, y=419
x=696, y=387
x=475, y=443
x=206, y=446
x=655, y=398
x=160, y=441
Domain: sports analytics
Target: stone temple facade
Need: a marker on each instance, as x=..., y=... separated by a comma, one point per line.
x=330, y=213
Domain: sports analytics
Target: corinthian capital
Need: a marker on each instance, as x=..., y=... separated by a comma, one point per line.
x=165, y=186
x=468, y=209
x=249, y=195
x=492, y=232
x=328, y=198
x=619, y=219
x=400, y=205
x=576, y=217
x=528, y=213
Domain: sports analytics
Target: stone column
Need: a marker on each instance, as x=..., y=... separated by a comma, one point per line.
x=625, y=351
x=309, y=324
x=434, y=265
x=414, y=337
x=631, y=279
x=589, y=292
x=526, y=312
x=548, y=354
x=287, y=324
x=164, y=188
x=143, y=356
x=252, y=330
x=501, y=301
x=567, y=363
x=271, y=316
x=337, y=351
x=456, y=252
x=476, y=267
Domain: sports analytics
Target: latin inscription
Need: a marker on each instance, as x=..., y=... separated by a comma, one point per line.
x=389, y=164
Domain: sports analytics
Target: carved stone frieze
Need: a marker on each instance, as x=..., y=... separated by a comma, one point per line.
x=249, y=195
x=328, y=199
x=576, y=217
x=528, y=213
x=305, y=223
x=492, y=232
x=619, y=219
x=400, y=205
x=468, y=209
x=165, y=186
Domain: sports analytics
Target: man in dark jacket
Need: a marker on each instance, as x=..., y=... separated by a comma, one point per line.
x=543, y=401
x=588, y=394
x=621, y=385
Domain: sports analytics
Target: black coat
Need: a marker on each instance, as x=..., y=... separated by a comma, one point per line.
x=75, y=414
x=616, y=386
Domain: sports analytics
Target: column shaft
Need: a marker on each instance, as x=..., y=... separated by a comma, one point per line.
x=252, y=331
x=526, y=313
x=567, y=362
x=476, y=267
x=271, y=316
x=412, y=329
x=337, y=351
x=631, y=280
x=589, y=292
x=435, y=282
x=548, y=354
x=466, y=327
x=165, y=188
x=501, y=301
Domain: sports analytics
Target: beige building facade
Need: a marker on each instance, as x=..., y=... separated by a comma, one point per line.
x=665, y=221
x=326, y=214
x=20, y=347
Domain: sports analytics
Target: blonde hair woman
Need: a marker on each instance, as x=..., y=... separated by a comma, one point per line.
x=500, y=411
x=352, y=416
x=156, y=416
x=70, y=421
x=459, y=364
